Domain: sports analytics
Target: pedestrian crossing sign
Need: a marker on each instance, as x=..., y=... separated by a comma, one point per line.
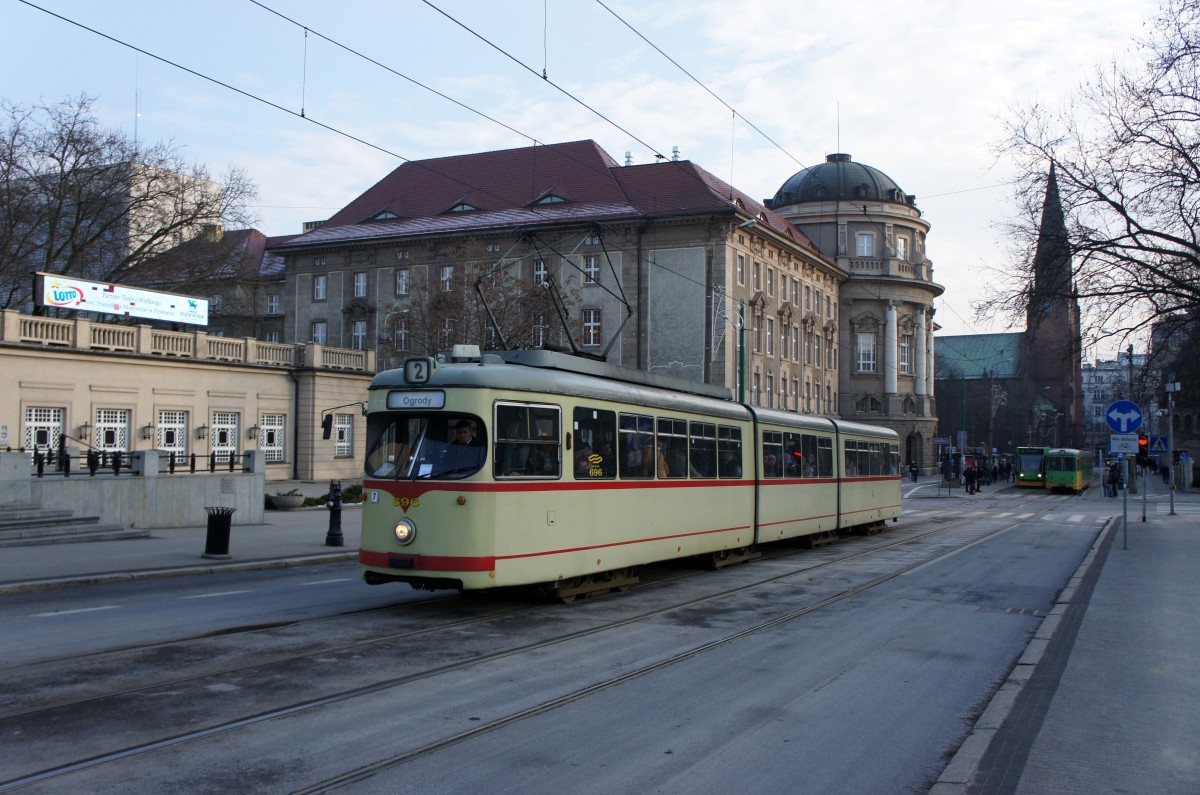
x=1158, y=444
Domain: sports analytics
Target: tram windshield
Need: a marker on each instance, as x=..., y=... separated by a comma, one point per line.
x=435, y=446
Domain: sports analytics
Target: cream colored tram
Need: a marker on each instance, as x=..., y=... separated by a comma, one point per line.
x=572, y=479
x=534, y=467
x=869, y=474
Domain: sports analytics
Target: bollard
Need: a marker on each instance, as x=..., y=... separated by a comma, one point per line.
x=333, y=538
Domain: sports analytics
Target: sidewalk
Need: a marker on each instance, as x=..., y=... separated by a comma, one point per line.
x=1105, y=698
x=287, y=538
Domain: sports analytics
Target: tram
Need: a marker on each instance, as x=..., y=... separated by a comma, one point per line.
x=534, y=467
x=1031, y=467
x=1068, y=469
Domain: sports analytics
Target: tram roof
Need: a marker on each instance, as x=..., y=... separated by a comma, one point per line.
x=556, y=373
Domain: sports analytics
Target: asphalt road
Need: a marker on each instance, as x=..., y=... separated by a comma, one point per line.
x=853, y=668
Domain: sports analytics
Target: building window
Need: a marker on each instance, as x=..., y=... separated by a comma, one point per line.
x=273, y=336
x=591, y=240
x=591, y=269
x=223, y=434
x=591, y=327
x=829, y=358
x=757, y=275
x=360, y=285
x=770, y=391
x=400, y=338
x=866, y=352
x=807, y=298
x=447, y=278
x=770, y=281
x=402, y=281
x=401, y=255
x=770, y=336
x=796, y=343
x=795, y=292
x=319, y=284
x=757, y=391
x=318, y=262
x=756, y=333
x=358, y=335
x=270, y=436
x=272, y=303
x=319, y=332
x=493, y=248
x=171, y=432
x=539, y=332
x=901, y=247
x=740, y=269
x=447, y=335
x=864, y=243
x=343, y=435
x=112, y=430
x=539, y=272
x=906, y=353
x=43, y=426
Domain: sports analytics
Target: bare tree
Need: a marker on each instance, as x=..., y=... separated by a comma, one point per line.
x=1126, y=156
x=79, y=200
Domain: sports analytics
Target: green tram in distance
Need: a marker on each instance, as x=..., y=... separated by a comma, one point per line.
x=1031, y=467
x=1068, y=469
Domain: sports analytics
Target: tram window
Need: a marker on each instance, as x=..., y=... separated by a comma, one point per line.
x=772, y=445
x=425, y=446
x=810, y=456
x=893, y=459
x=636, y=446
x=793, y=455
x=824, y=457
x=672, y=448
x=729, y=451
x=527, y=441
x=876, y=459
x=858, y=463
x=595, y=443
x=703, y=457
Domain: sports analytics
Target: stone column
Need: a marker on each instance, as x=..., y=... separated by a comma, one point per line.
x=929, y=348
x=889, y=351
x=919, y=344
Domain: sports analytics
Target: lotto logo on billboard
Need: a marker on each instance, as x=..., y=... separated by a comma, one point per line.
x=58, y=294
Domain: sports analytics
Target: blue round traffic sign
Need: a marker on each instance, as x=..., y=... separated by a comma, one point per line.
x=1124, y=416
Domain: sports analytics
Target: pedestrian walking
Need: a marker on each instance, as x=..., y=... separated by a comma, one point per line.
x=913, y=470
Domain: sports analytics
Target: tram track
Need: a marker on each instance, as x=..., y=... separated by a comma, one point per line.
x=880, y=545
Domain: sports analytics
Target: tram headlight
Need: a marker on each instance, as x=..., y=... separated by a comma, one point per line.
x=406, y=531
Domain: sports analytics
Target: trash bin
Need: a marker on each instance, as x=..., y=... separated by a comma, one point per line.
x=216, y=544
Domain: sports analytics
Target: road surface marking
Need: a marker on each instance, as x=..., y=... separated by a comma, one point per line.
x=211, y=595
x=1002, y=515
x=1076, y=517
x=322, y=582
x=69, y=612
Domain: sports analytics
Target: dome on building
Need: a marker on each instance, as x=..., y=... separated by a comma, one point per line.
x=839, y=178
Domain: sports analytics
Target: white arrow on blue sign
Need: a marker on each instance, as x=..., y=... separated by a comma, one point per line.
x=1124, y=416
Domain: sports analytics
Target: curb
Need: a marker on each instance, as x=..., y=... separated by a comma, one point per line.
x=956, y=777
x=179, y=571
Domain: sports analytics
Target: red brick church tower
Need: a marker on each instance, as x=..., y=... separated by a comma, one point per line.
x=1052, y=332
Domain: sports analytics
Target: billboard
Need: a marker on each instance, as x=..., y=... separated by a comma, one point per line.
x=66, y=292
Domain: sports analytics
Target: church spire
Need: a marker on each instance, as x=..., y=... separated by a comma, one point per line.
x=1053, y=285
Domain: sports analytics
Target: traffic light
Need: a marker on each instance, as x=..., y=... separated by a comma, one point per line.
x=1143, y=453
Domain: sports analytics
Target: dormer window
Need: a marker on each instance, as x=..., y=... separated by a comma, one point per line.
x=462, y=207
x=550, y=199
x=386, y=215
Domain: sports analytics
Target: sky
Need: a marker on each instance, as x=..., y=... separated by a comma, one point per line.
x=758, y=91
